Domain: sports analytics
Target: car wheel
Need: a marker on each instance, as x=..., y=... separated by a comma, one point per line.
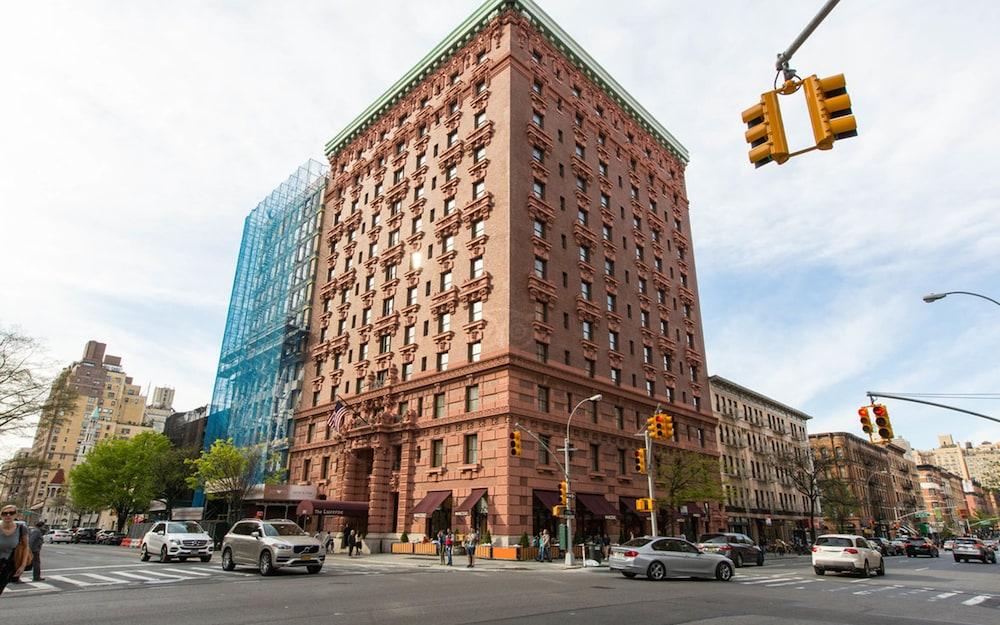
x=656, y=571
x=227, y=560
x=314, y=569
x=738, y=560
x=760, y=559
x=957, y=559
x=144, y=554
x=723, y=572
x=881, y=568
x=867, y=571
x=266, y=565
x=206, y=558
x=819, y=571
x=163, y=554
x=628, y=574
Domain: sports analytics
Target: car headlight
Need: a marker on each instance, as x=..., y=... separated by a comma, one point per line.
x=282, y=545
x=173, y=541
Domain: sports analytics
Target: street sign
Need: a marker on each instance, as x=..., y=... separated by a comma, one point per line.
x=568, y=514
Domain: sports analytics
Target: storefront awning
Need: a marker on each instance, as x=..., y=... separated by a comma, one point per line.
x=470, y=502
x=627, y=504
x=548, y=498
x=310, y=507
x=598, y=505
x=431, y=502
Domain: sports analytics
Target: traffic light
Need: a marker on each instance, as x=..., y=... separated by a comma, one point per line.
x=644, y=505
x=668, y=426
x=829, y=110
x=640, y=460
x=660, y=425
x=564, y=493
x=515, y=443
x=882, y=421
x=557, y=511
x=652, y=426
x=765, y=131
x=866, y=420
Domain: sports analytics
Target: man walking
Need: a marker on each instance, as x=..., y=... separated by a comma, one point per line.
x=470, y=547
x=449, y=542
x=543, y=547
x=440, y=545
x=35, y=544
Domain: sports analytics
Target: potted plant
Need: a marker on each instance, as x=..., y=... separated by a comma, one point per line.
x=403, y=546
x=485, y=547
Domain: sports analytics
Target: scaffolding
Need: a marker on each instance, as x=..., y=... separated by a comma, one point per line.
x=260, y=369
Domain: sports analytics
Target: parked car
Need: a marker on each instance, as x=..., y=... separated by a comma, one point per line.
x=921, y=547
x=900, y=545
x=739, y=548
x=966, y=549
x=176, y=539
x=102, y=536
x=269, y=546
x=85, y=535
x=658, y=557
x=846, y=553
x=948, y=545
x=114, y=538
x=58, y=536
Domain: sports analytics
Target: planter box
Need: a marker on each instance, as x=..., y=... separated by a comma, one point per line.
x=402, y=548
x=529, y=553
x=425, y=549
x=505, y=553
x=484, y=551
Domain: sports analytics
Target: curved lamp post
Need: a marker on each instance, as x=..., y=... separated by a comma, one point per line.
x=933, y=297
x=569, y=491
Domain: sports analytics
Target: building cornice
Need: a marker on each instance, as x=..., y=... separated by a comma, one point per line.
x=717, y=381
x=464, y=33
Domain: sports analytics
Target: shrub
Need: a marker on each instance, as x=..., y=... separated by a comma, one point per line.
x=525, y=542
x=404, y=538
x=486, y=538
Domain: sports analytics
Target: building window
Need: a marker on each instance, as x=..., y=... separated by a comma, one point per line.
x=478, y=189
x=476, y=267
x=543, y=451
x=442, y=361
x=543, y=399
x=475, y=311
x=387, y=306
x=647, y=354
x=650, y=388
x=537, y=154
x=538, y=119
x=539, y=229
x=437, y=452
x=385, y=343
x=588, y=330
x=591, y=367
x=478, y=228
x=595, y=457
x=541, y=351
x=541, y=311
x=444, y=322
x=541, y=268
x=409, y=335
x=471, y=449
x=439, y=405
x=538, y=189
x=585, y=290
x=472, y=398
x=475, y=349
x=613, y=340
x=612, y=303
x=306, y=469
x=407, y=371
x=310, y=432
x=616, y=376
x=445, y=280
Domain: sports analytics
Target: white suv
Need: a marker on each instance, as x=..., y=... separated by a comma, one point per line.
x=176, y=539
x=847, y=553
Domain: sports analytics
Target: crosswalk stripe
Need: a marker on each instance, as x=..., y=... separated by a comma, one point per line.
x=189, y=572
x=167, y=575
x=767, y=581
x=30, y=586
x=74, y=582
x=976, y=600
x=792, y=583
x=105, y=578
x=143, y=576
x=943, y=595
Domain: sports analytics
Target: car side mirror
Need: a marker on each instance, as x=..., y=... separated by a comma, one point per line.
x=255, y=534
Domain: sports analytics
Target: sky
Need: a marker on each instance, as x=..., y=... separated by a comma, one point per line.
x=135, y=137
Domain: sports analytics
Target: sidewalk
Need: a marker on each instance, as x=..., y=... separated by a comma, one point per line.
x=458, y=563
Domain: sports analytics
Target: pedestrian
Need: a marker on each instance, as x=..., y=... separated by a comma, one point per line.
x=14, y=552
x=359, y=542
x=328, y=544
x=440, y=545
x=449, y=542
x=605, y=545
x=544, y=540
x=35, y=544
x=351, y=541
x=470, y=547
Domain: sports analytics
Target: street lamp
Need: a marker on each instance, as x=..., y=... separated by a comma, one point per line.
x=871, y=498
x=933, y=297
x=569, y=490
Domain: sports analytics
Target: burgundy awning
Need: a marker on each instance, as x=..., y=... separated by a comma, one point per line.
x=431, y=502
x=549, y=498
x=470, y=502
x=627, y=504
x=309, y=507
x=597, y=504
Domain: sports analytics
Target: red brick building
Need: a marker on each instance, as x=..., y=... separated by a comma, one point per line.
x=506, y=233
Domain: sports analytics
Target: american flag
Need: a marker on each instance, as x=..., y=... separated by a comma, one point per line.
x=337, y=416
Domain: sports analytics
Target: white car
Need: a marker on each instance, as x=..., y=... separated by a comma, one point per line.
x=58, y=536
x=846, y=553
x=176, y=539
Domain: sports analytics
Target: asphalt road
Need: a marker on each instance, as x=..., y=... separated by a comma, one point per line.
x=91, y=584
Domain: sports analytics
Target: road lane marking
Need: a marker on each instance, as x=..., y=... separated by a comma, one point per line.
x=767, y=581
x=142, y=577
x=800, y=581
x=871, y=591
x=189, y=572
x=105, y=578
x=36, y=586
x=943, y=595
x=75, y=582
x=922, y=569
x=88, y=568
x=976, y=600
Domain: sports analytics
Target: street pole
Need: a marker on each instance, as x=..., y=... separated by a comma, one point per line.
x=570, y=498
x=650, y=465
x=785, y=57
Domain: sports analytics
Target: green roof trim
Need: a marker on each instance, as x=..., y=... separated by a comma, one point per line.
x=469, y=28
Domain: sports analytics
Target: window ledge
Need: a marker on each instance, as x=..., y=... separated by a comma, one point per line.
x=470, y=467
x=546, y=470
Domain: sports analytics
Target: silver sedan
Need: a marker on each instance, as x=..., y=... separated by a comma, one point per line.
x=658, y=557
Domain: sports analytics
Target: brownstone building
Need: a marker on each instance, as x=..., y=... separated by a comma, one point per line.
x=505, y=234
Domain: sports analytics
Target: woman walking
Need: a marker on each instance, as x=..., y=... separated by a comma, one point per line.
x=470, y=547
x=14, y=553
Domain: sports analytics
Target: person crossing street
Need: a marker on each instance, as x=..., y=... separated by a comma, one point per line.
x=35, y=544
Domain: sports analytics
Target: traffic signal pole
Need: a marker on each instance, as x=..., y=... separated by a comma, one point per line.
x=650, y=467
x=569, y=502
x=785, y=57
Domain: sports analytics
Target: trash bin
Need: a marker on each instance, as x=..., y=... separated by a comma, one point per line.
x=594, y=553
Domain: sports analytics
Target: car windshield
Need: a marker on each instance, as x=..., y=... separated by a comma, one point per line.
x=283, y=529
x=189, y=527
x=714, y=538
x=834, y=541
x=637, y=542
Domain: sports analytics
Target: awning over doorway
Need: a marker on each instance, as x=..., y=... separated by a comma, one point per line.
x=627, y=504
x=598, y=505
x=548, y=498
x=431, y=502
x=470, y=502
x=309, y=507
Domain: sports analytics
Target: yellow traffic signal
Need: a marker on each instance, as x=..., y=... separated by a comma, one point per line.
x=829, y=109
x=515, y=443
x=644, y=505
x=557, y=511
x=640, y=460
x=668, y=426
x=765, y=131
x=564, y=493
x=882, y=422
x=866, y=420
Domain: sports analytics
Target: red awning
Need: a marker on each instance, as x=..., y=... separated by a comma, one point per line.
x=626, y=504
x=309, y=507
x=549, y=498
x=470, y=502
x=431, y=502
x=597, y=505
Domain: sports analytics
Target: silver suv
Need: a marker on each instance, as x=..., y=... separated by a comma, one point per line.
x=270, y=545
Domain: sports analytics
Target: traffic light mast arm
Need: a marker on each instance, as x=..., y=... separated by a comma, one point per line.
x=552, y=455
x=874, y=394
x=785, y=57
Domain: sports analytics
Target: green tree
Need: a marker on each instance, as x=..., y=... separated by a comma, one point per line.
x=807, y=474
x=119, y=475
x=173, y=470
x=684, y=476
x=839, y=503
x=228, y=472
